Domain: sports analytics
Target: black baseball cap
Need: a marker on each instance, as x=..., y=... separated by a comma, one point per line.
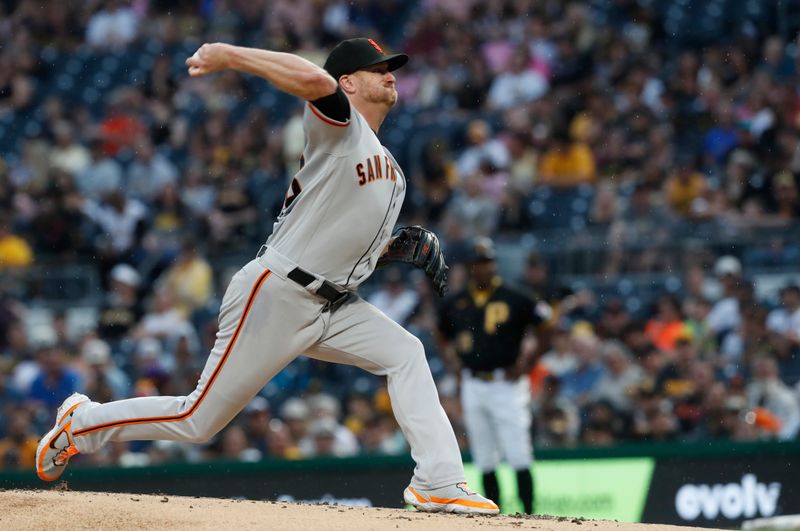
x=354, y=54
x=482, y=250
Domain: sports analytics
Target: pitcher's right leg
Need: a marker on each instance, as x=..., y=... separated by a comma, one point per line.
x=265, y=321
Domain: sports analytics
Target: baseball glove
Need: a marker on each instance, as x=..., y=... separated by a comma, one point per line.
x=420, y=247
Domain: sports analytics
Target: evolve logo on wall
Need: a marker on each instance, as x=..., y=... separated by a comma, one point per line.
x=721, y=492
x=733, y=501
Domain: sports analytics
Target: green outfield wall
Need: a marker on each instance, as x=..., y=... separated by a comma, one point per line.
x=704, y=484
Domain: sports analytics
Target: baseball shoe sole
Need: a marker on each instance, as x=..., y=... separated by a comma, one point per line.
x=451, y=499
x=57, y=446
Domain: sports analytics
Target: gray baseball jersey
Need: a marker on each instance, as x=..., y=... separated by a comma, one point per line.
x=337, y=218
x=343, y=203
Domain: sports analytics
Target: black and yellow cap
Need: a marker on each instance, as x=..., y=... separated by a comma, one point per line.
x=354, y=54
x=482, y=250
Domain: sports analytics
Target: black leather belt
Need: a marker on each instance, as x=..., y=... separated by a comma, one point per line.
x=489, y=376
x=328, y=290
x=486, y=376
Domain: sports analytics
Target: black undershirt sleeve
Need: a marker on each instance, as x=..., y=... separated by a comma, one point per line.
x=335, y=106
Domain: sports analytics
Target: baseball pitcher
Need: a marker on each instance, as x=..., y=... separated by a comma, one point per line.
x=298, y=296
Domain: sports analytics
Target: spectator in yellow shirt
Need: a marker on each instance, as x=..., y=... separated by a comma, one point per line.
x=566, y=162
x=18, y=448
x=14, y=251
x=189, y=280
x=684, y=186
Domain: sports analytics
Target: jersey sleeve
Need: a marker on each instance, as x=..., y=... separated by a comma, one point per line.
x=335, y=106
x=329, y=123
x=445, y=325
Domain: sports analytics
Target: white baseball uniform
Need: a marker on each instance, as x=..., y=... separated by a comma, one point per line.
x=487, y=329
x=337, y=219
x=486, y=332
x=497, y=419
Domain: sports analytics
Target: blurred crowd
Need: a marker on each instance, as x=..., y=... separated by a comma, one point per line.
x=547, y=125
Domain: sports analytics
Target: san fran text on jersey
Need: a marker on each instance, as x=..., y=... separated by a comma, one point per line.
x=376, y=167
x=343, y=203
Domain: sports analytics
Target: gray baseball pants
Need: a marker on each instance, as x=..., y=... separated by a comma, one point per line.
x=266, y=321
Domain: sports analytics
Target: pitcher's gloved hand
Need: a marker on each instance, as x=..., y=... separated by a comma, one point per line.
x=418, y=246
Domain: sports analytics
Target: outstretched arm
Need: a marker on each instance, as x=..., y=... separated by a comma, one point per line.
x=288, y=72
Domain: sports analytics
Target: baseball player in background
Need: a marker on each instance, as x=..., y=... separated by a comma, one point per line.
x=485, y=331
x=298, y=296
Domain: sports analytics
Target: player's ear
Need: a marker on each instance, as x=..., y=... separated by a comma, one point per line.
x=348, y=84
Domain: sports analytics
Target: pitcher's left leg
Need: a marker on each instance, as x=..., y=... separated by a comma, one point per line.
x=359, y=334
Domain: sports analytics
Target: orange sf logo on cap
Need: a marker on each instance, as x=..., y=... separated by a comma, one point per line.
x=375, y=45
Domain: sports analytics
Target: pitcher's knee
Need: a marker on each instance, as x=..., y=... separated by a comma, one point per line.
x=406, y=351
x=200, y=432
x=413, y=351
x=403, y=352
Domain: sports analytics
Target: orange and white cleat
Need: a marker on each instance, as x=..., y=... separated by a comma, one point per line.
x=57, y=446
x=450, y=499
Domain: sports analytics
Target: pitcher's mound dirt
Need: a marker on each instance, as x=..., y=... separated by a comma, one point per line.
x=137, y=512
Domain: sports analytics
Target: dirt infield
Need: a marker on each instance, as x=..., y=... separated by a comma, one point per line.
x=123, y=512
